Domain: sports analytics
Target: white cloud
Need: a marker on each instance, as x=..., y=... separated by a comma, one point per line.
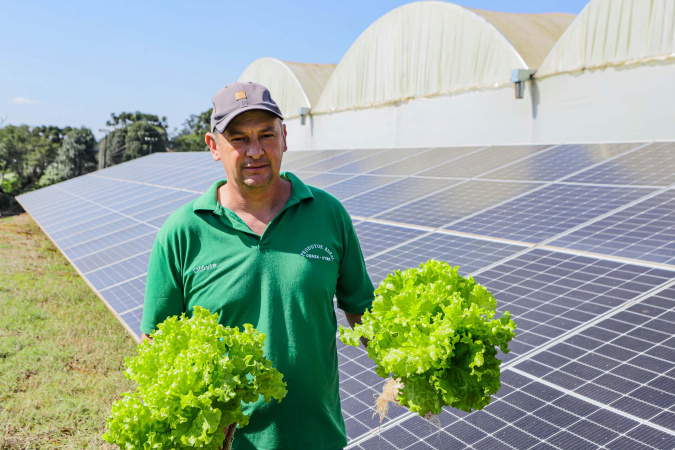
x=24, y=101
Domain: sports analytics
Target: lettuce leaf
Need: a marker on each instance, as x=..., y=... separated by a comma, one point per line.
x=191, y=382
x=437, y=332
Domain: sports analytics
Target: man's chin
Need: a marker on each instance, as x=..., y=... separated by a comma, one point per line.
x=257, y=182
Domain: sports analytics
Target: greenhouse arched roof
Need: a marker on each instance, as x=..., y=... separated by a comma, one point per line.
x=433, y=48
x=613, y=33
x=293, y=85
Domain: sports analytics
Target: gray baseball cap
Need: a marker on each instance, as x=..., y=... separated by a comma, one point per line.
x=237, y=98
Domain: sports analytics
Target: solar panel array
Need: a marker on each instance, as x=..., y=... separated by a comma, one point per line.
x=577, y=241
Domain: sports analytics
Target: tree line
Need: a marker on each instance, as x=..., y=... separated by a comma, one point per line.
x=35, y=157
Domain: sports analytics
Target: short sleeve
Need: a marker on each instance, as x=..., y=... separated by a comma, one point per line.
x=163, y=286
x=354, y=288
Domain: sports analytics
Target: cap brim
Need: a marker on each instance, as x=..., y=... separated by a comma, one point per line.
x=224, y=121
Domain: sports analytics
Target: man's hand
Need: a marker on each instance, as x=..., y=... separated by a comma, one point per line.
x=354, y=319
x=146, y=336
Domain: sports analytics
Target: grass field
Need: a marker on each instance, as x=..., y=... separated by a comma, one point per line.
x=61, y=350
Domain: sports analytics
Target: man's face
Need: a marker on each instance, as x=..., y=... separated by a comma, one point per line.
x=250, y=149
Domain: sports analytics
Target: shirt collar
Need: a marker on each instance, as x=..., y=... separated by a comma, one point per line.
x=209, y=200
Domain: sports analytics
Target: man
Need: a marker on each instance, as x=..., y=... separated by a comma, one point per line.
x=264, y=248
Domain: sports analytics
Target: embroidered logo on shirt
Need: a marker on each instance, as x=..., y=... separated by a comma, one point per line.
x=203, y=268
x=318, y=251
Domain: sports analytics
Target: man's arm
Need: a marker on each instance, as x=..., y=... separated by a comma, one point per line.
x=146, y=336
x=354, y=319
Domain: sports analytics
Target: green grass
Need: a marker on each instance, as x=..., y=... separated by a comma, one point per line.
x=61, y=350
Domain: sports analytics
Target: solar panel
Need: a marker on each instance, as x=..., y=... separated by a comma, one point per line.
x=425, y=160
x=322, y=180
x=340, y=160
x=644, y=231
x=548, y=212
x=378, y=237
x=552, y=293
x=457, y=202
x=576, y=240
x=358, y=185
x=468, y=253
x=378, y=160
x=482, y=161
x=626, y=361
x=564, y=160
x=309, y=158
x=394, y=194
x=653, y=165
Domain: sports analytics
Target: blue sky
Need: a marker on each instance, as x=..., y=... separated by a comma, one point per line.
x=74, y=62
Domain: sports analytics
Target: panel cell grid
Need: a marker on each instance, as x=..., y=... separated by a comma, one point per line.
x=166, y=208
x=323, y=179
x=358, y=386
x=643, y=231
x=70, y=229
x=376, y=161
x=561, y=161
x=377, y=237
x=358, y=185
x=340, y=160
x=482, y=161
x=102, y=228
x=551, y=293
x=108, y=240
x=525, y=414
x=132, y=319
x=468, y=253
x=393, y=195
x=115, y=253
x=653, y=165
x=548, y=212
x=119, y=272
x=456, y=203
x=424, y=161
x=626, y=362
x=309, y=158
x=125, y=296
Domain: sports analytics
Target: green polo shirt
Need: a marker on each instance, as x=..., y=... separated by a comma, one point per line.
x=283, y=283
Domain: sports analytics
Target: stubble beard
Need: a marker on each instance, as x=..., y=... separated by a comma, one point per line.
x=255, y=182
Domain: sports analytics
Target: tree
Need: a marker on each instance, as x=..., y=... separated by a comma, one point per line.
x=126, y=118
x=13, y=142
x=136, y=134
x=43, y=146
x=143, y=139
x=191, y=137
x=26, y=154
x=76, y=156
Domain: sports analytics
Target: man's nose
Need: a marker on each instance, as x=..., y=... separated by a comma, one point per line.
x=254, y=149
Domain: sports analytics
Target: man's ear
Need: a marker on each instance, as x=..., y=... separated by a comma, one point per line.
x=212, y=142
x=284, y=133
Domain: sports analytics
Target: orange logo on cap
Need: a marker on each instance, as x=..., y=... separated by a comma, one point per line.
x=239, y=95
